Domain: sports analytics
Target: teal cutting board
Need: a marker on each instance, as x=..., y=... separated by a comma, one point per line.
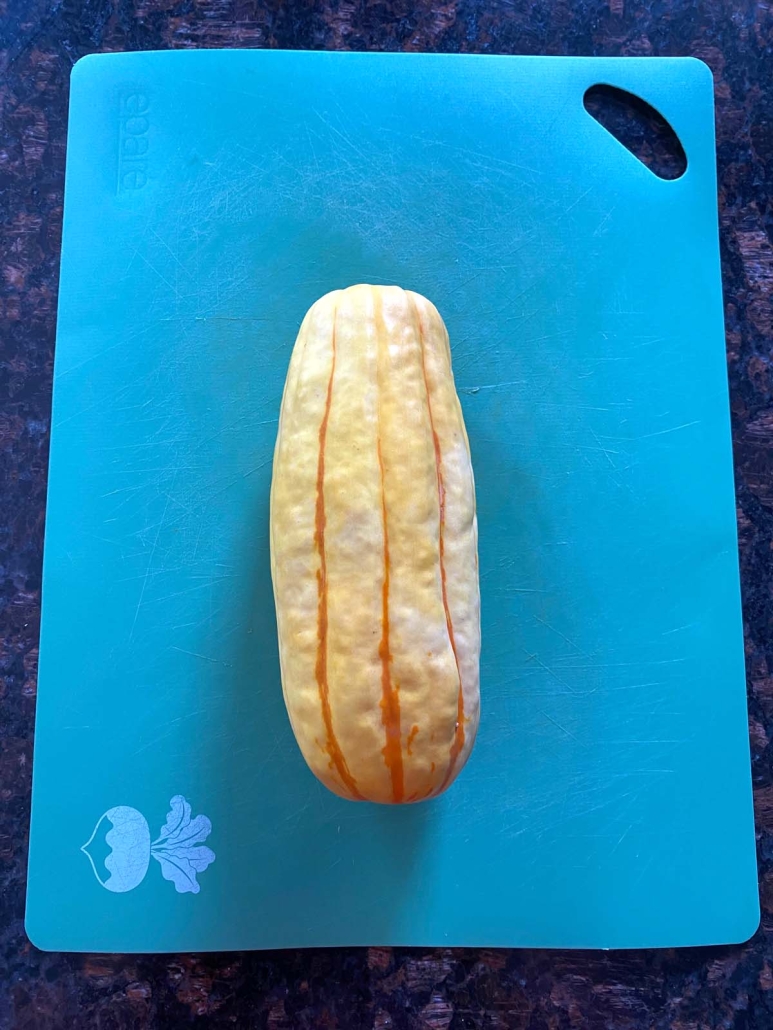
x=211, y=197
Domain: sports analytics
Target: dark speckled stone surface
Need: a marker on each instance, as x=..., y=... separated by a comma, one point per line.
x=379, y=988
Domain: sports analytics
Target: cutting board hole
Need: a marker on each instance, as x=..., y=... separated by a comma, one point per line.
x=639, y=127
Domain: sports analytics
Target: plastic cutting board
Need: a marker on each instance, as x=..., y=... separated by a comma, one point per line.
x=211, y=197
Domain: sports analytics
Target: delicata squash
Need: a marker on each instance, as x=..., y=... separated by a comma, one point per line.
x=374, y=549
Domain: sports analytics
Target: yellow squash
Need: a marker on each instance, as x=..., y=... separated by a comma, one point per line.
x=374, y=549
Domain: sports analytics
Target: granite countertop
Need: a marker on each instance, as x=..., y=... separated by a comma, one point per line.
x=377, y=987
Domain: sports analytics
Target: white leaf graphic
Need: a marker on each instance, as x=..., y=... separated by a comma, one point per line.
x=195, y=832
x=181, y=867
x=179, y=816
x=177, y=849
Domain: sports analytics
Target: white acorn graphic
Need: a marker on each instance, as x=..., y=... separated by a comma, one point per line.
x=178, y=849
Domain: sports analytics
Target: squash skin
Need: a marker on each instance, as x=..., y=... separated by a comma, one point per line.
x=374, y=549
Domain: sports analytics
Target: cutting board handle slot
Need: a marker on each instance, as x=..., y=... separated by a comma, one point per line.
x=639, y=127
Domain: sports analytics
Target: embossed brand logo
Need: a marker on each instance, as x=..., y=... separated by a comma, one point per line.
x=133, y=143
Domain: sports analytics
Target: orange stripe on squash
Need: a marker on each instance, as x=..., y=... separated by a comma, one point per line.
x=331, y=745
x=390, y=699
x=458, y=741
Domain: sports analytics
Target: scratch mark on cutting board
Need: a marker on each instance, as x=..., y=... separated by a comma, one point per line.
x=150, y=562
x=163, y=278
x=258, y=467
x=91, y=357
x=673, y=429
x=551, y=672
x=563, y=729
x=572, y=643
x=195, y=654
x=492, y=386
x=165, y=244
